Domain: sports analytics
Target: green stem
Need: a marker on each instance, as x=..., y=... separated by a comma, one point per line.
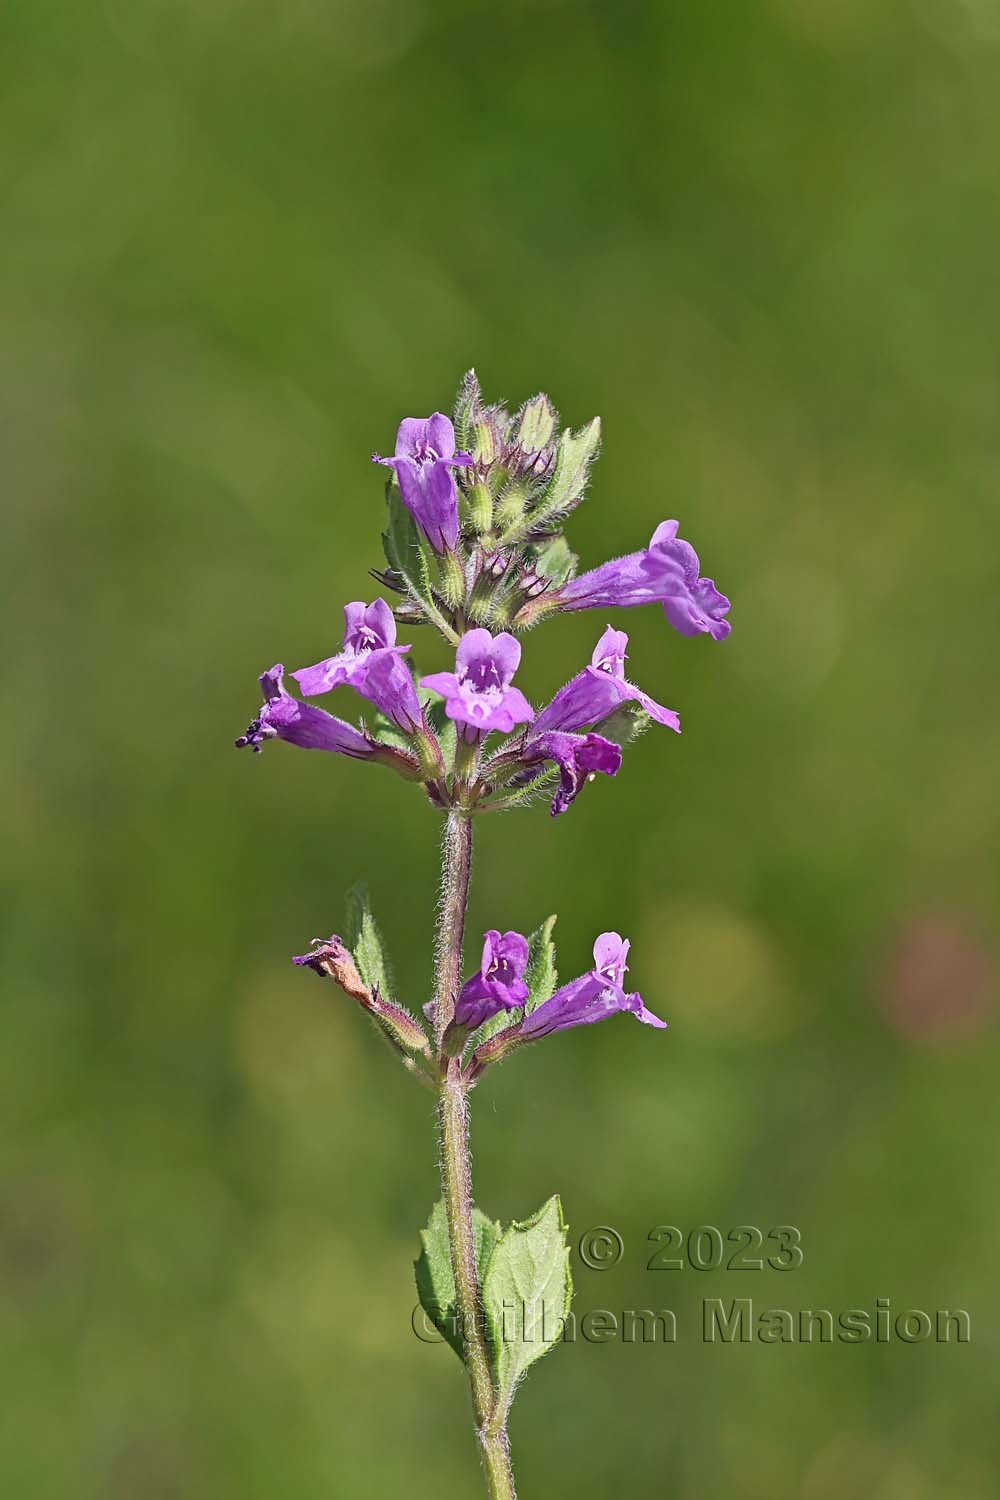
x=456, y=868
x=456, y=1169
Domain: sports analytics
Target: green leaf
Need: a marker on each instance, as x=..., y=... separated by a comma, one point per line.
x=535, y=424
x=365, y=942
x=554, y=559
x=541, y=975
x=432, y=1268
x=575, y=453
x=405, y=549
x=389, y=733
x=399, y=540
x=526, y=1294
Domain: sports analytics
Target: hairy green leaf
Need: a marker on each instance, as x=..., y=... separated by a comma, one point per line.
x=526, y=1294
x=365, y=942
x=554, y=559
x=575, y=453
x=389, y=733
x=432, y=1269
x=399, y=540
x=541, y=975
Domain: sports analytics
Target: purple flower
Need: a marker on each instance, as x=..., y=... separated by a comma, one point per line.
x=667, y=572
x=370, y=662
x=389, y=684
x=286, y=718
x=592, y=997
x=368, y=628
x=578, y=756
x=598, y=690
x=425, y=455
x=499, y=984
x=478, y=694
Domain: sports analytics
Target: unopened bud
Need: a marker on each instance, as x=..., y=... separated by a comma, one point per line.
x=481, y=430
x=511, y=505
x=536, y=424
x=480, y=503
x=483, y=596
x=431, y=757
x=452, y=577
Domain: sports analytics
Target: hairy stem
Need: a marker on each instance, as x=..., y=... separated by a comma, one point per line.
x=456, y=867
x=456, y=1169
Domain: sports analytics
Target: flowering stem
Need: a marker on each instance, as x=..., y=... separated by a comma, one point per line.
x=456, y=1170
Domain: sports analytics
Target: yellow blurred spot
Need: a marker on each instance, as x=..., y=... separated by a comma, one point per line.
x=711, y=968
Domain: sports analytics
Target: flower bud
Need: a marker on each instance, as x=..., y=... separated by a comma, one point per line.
x=535, y=425
x=481, y=429
x=432, y=766
x=513, y=501
x=492, y=569
x=487, y=437
x=452, y=576
x=480, y=506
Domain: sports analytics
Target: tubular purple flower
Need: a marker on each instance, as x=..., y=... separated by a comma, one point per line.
x=370, y=662
x=591, y=998
x=667, y=572
x=286, y=718
x=598, y=690
x=578, y=756
x=478, y=694
x=389, y=684
x=368, y=629
x=499, y=984
x=424, y=457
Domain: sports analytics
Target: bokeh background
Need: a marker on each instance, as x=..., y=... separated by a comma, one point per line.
x=241, y=240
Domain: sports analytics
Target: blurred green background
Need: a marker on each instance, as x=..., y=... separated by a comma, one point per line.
x=241, y=240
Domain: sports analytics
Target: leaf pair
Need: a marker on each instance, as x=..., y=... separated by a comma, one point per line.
x=526, y=1287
